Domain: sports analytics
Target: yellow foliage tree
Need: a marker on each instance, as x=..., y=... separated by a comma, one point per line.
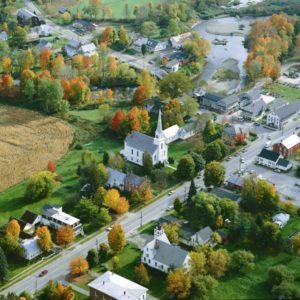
x=78, y=265
x=13, y=229
x=179, y=284
x=44, y=241
x=116, y=238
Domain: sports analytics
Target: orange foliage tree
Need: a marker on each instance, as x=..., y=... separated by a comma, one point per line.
x=113, y=200
x=51, y=166
x=44, y=241
x=116, y=238
x=65, y=235
x=108, y=36
x=6, y=64
x=139, y=95
x=45, y=57
x=7, y=81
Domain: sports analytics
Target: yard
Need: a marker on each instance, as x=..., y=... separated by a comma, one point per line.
x=130, y=257
x=288, y=93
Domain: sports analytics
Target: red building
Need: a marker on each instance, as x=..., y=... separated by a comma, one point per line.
x=288, y=146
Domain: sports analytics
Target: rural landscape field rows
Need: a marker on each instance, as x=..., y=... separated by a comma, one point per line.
x=28, y=140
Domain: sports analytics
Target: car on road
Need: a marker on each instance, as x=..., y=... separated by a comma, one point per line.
x=170, y=207
x=277, y=171
x=43, y=273
x=199, y=176
x=297, y=184
x=269, y=137
x=108, y=228
x=256, y=124
x=170, y=193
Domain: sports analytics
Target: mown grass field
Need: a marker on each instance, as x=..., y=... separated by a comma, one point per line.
x=288, y=93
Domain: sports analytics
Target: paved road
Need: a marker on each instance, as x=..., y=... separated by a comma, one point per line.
x=132, y=221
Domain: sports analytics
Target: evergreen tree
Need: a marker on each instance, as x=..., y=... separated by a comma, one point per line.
x=3, y=266
x=193, y=190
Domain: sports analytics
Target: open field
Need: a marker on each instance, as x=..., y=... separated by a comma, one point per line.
x=28, y=141
x=288, y=93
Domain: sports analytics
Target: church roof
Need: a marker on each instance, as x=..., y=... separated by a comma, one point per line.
x=141, y=142
x=171, y=131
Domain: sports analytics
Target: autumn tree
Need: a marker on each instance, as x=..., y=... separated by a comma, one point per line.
x=142, y=275
x=65, y=235
x=116, y=238
x=172, y=232
x=28, y=60
x=58, y=63
x=112, y=66
x=6, y=64
x=148, y=82
x=108, y=36
x=197, y=263
x=214, y=174
x=218, y=262
x=179, y=284
x=124, y=39
x=45, y=58
x=7, y=81
x=113, y=200
x=13, y=229
x=51, y=166
x=44, y=241
x=40, y=185
x=78, y=266
x=139, y=95
x=197, y=48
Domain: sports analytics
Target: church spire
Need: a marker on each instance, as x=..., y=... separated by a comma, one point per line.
x=159, y=130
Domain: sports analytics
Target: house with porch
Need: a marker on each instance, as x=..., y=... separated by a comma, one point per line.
x=273, y=160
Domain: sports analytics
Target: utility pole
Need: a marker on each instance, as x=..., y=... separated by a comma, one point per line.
x=141, y=218
x=97, y=244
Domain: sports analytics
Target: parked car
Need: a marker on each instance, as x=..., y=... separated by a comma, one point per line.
x=170, y=193
x=269, y=137
x=297, y=184
x=43, y=273
x=170, y=207
x=108, y=228
x=277, y=171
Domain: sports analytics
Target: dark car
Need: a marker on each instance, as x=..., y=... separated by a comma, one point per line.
x=43, y=273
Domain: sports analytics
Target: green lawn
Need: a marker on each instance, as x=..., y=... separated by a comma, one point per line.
x=288, y=93
x=12, y=200
x=179, y=148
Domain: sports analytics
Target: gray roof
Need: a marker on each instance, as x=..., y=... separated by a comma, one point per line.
x=169, y=255
x=172, y=63
x=236, y=180
x=213, y=97
x=224, y=193
x=25, y=13
x=288, y=110
x=251, y=95
x=268, y=154
x=255, y=108
x=233, y=130
x=201, y=236
x=134, y=179
x=283, y=162
x=228, y=101
x=115, y=177
x=141, y=142
x=152, y=43
x=74, y=44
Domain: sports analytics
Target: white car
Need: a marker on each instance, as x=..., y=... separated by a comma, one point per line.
x=108, y=228
x=277, y=171
x=170, y=193
x=170, y=207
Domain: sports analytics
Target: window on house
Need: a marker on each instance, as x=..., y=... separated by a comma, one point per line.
x=137, y=153
x=161, y=146
x=145, y=259
x=149, y=261
x=131, y=151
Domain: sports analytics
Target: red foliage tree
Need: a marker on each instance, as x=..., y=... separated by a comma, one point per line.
x=51, y=166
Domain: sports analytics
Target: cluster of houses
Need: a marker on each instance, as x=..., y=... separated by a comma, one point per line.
x=158, y=254
x=54, y=217
x=252, y=106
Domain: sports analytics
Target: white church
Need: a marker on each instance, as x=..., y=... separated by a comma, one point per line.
x=136, y=143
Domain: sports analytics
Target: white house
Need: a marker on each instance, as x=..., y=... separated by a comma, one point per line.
x=173, y=65
x=171, y=133
x=136, y=144
x=155, y=46
x=31, y=248
x=45, y=30
x=281, y=219
x=178, y=41
x=88, y=49
x=273, y=160
x=73, y=47
x=160, y=254
x=138, y=43
x=112, y=286
x=54, y=217
x=277, y=117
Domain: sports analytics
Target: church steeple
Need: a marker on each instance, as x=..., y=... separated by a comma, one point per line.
x=159, y=131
